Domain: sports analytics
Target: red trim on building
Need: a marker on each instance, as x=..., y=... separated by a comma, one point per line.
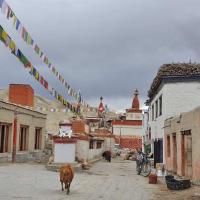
x=65, y=124
x=83, y=137
x=64, y=140
x=133, y=110
x=129, y=136
x=128, y=122
x=88, y=120
x=102, y=135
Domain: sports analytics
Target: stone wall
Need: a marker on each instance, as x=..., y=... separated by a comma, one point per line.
x=39, y=156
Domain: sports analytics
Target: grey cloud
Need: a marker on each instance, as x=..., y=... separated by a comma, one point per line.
x=106, y=47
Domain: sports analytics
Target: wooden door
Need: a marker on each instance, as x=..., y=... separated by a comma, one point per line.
x=174, y=154
x=188, y=155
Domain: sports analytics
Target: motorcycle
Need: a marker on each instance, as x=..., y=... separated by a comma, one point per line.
x=143, y=165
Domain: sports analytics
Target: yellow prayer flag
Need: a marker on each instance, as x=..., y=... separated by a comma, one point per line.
x=29, y=39
x=64, y=102
x=14, y=20
x=37, y=76
x=4, y=35
x=12, y=45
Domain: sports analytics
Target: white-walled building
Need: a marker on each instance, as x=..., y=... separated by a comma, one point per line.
x=128, y=132
x=146, y=144
x=175, y=89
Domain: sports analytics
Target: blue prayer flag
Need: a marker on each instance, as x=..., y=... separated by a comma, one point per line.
x=17, y=24
x=1, y=3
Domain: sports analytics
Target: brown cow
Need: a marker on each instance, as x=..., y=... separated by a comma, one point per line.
x=66, y=176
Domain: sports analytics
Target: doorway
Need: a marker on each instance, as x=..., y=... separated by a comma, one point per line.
x=187, y=153
x=174, y=153
x=158, y=151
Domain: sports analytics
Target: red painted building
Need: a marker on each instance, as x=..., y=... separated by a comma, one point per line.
x=21, y=94
x=128, y=131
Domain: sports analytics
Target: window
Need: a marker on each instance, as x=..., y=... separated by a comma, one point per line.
x=168, y=146
x=160, y=105
x=186, y=132
x=152, y=110
x=38, y=138
x=23, y=138
x=4, y=138
x=98, y=144
x=91, y=145
x=156, y=108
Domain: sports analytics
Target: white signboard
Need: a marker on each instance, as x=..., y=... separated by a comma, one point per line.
x=64, y=153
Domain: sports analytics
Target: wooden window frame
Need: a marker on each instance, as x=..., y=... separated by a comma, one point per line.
x=160, y=105
x=91, y=144
x=99, y=144
x=152, y=112
x=38, y=138
x=168, y=146
x=23, y=138
x=156, y=105
x=4, y=137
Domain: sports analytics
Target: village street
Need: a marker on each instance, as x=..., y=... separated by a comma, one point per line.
x=116, y=180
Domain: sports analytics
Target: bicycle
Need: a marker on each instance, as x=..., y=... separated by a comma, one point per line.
x=143, y=165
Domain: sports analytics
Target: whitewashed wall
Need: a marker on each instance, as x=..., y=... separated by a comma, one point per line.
x=109, y=144
x=95, y=153
x=176, y=98
x=83, y=151
x=145, y=123
x=127, y=130
x=144, y=129
x=82, y=148
x=64, y=153
x=134, y=116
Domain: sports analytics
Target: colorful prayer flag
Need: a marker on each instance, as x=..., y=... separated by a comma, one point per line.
x=1, y=2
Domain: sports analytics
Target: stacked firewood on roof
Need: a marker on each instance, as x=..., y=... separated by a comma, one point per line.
x=174, y=69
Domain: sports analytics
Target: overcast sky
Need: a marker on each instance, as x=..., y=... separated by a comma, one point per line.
x=103, y=47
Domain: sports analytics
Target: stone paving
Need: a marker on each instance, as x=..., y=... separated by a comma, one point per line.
x=105, y=181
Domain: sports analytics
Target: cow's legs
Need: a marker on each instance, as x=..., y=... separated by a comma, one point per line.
x=62, y=186
x=68, y=186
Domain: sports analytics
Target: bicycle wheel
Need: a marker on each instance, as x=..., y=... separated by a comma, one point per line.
x=138, y=169
x=146, y=169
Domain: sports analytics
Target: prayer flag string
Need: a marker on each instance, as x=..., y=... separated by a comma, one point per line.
x=22, y=31
x=10, y=44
